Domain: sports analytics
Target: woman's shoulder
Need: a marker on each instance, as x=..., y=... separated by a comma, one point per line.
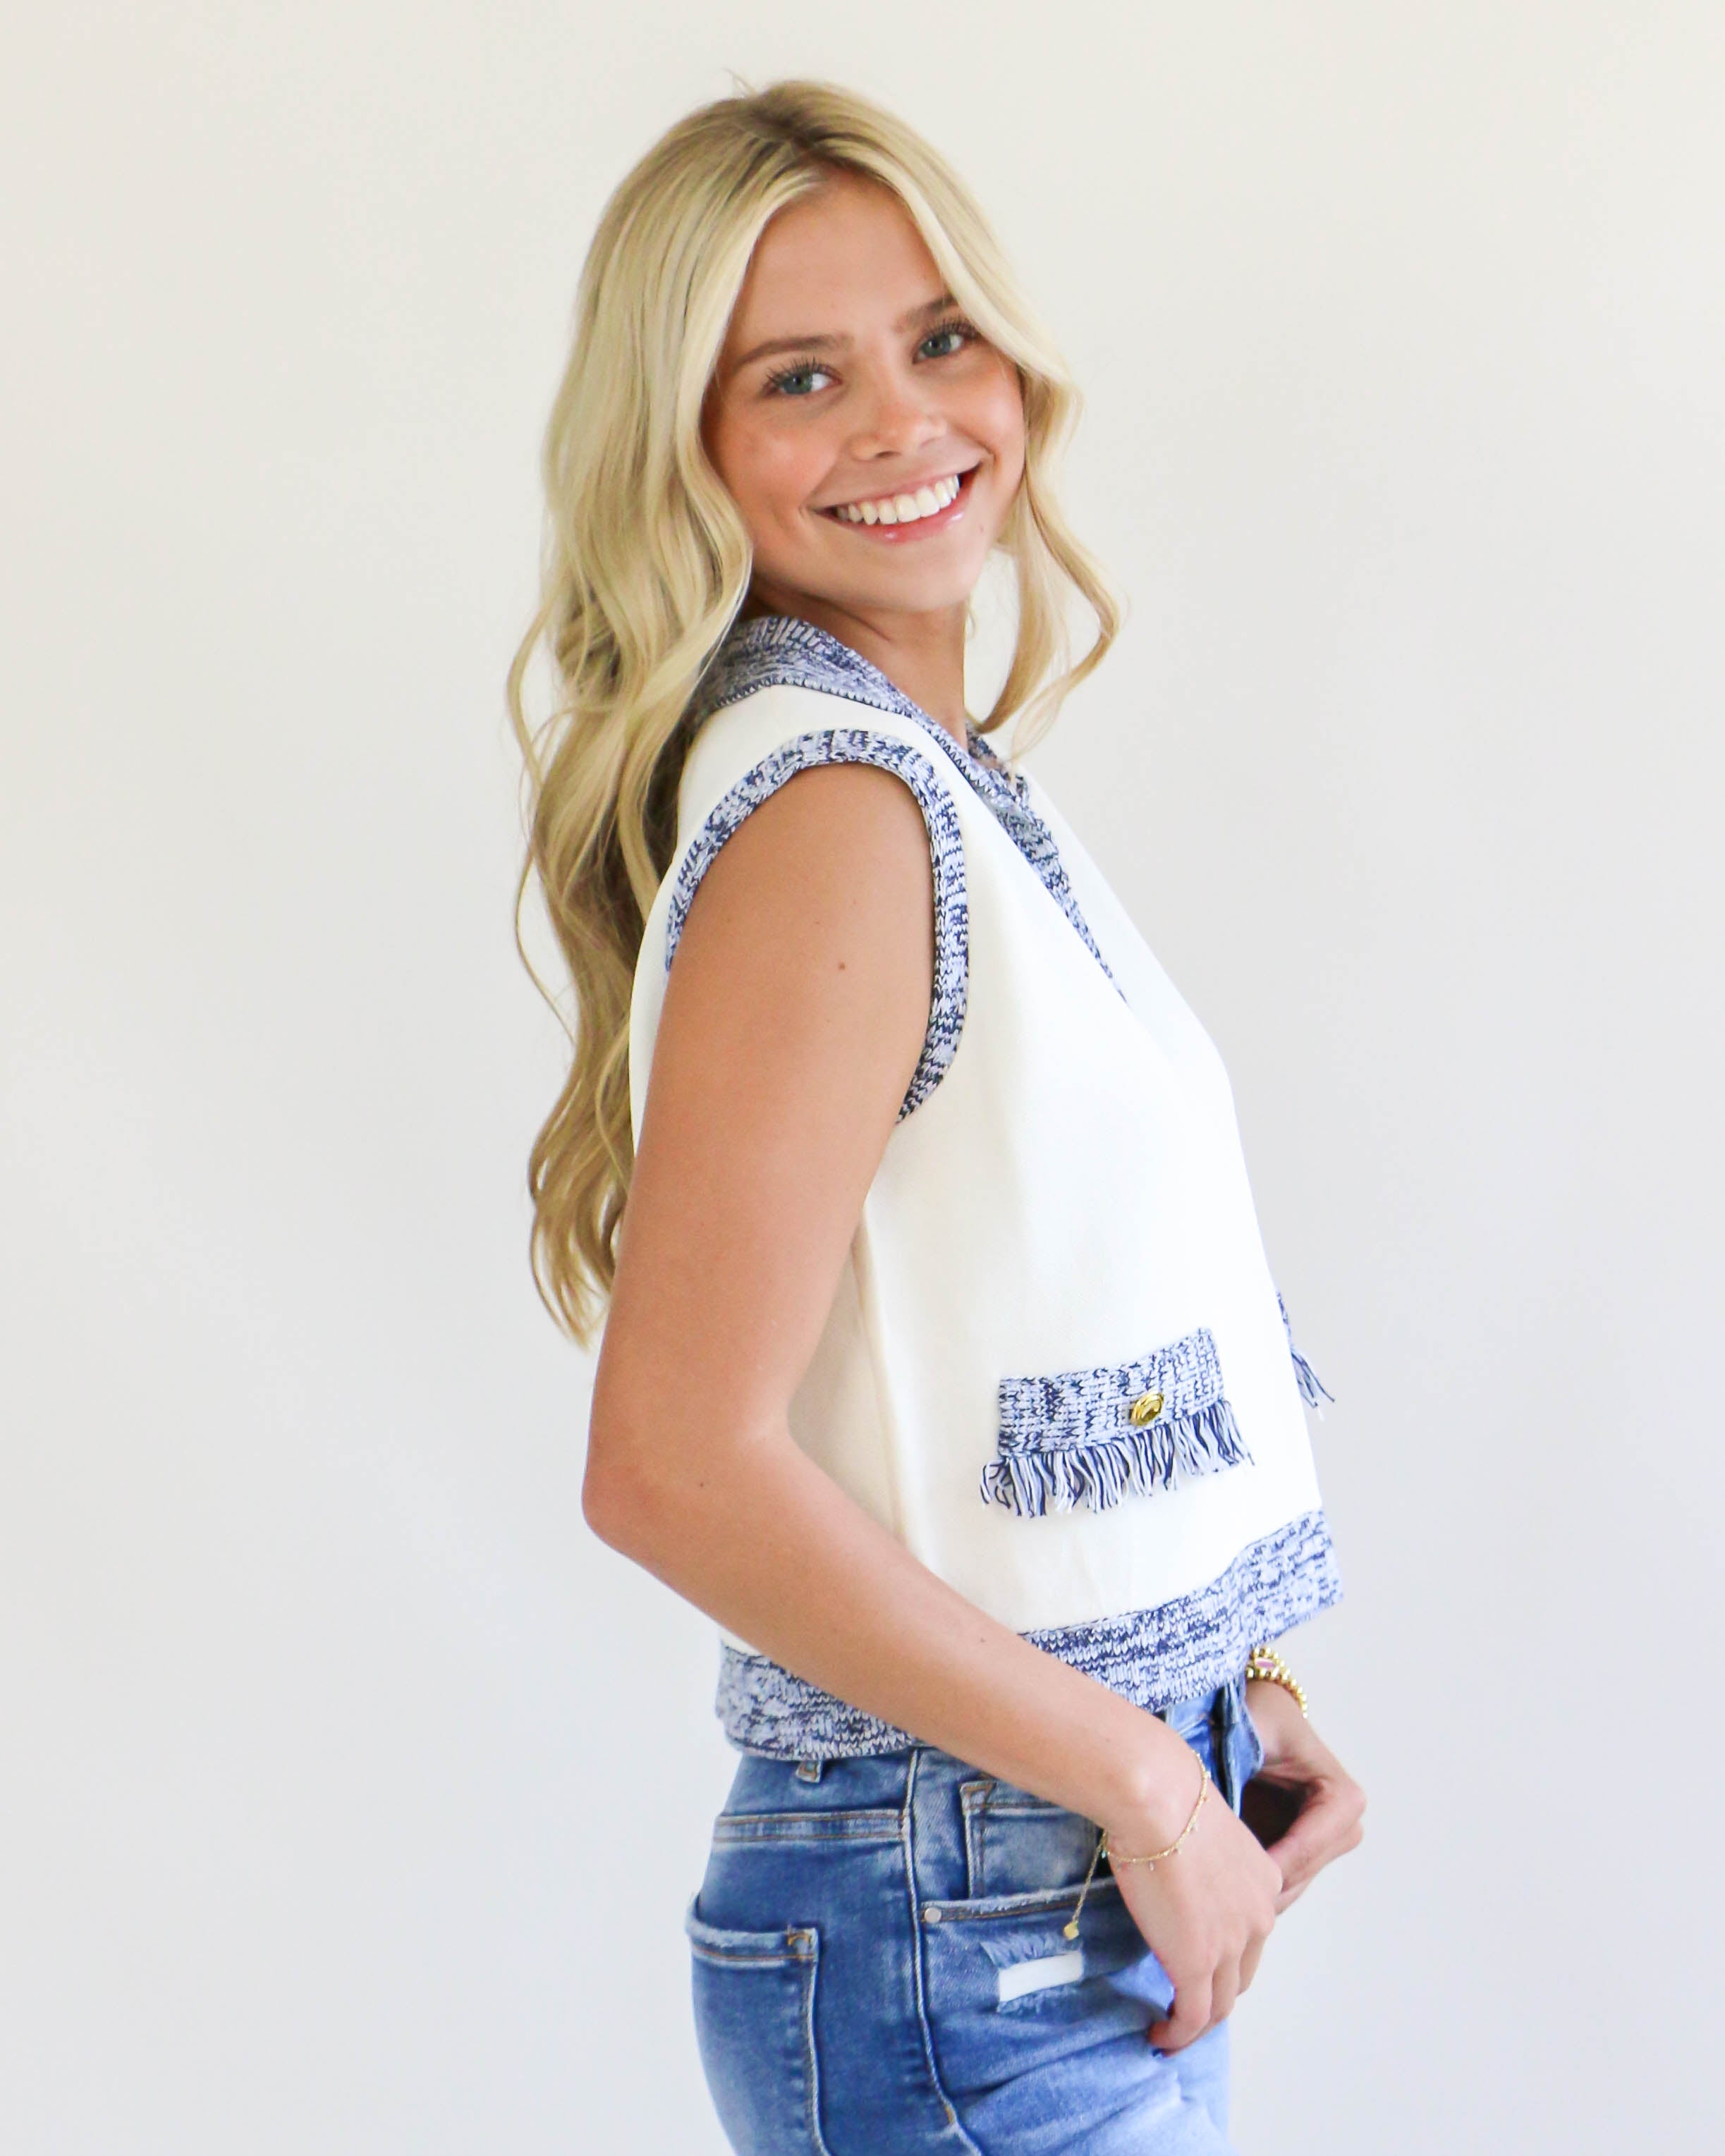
x=843, y=835
x=744, y=753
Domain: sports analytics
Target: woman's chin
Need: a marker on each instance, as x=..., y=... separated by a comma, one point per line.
x=897, y=582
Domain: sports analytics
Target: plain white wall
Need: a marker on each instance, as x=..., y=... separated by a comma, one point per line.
x=353, y=1792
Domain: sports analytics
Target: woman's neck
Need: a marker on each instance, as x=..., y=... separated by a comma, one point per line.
x=921, y=654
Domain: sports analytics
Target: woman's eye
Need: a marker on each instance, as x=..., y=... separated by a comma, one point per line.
x=799, y=381
x=950, y=338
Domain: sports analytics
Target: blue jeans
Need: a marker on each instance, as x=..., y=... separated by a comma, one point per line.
x=880, y=1967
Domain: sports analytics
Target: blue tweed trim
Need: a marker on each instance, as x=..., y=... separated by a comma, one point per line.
x=1152, y=1657
x=856, y=745
x=774, y=651
x=1073, y=1438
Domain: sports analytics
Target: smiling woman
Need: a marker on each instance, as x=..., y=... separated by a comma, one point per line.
x=889, y=1141
x=894, y=420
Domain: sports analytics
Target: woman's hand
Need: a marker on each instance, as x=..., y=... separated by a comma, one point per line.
x=1206, y=1911
x=1331, y=1803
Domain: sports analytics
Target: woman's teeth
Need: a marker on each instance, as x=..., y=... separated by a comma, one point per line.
x=901, y=508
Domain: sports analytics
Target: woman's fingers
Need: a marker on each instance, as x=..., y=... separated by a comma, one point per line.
x=1296, y=1758
x=1327, y=1827
x=1251, y=1957
x=1191, y=2016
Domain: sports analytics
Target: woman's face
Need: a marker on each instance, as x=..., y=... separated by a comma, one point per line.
x=871, y=439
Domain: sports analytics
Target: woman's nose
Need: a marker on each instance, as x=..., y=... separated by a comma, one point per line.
x=900, y=418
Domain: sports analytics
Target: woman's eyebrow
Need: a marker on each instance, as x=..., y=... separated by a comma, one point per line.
x=822, y=341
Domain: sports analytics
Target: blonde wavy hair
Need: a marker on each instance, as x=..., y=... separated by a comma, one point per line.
x=645, y=565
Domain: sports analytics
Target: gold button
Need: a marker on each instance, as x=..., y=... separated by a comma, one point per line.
x=1146, y=1408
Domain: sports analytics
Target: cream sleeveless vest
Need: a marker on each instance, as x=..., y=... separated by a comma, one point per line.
x=1056, y=1367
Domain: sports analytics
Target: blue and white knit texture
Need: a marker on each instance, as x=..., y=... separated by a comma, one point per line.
x=858, y=745
x=1074, y=1438
x=773, y=651
x=1152, y=1657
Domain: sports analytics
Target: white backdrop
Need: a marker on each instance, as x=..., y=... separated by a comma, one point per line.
x=352, y=1791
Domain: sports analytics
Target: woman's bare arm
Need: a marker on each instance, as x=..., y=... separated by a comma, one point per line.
x=794, y=1016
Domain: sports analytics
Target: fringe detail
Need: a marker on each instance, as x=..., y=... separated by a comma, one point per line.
x=1312, y=1389
x=1057, y=1478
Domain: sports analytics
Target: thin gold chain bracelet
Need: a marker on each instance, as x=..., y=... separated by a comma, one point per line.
x=1155, y=1857
x=1266, y=1666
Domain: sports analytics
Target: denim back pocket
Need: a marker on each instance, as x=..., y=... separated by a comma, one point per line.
x=754, y=2023
x=1087, y=1437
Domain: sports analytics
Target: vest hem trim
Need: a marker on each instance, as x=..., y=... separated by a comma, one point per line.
x=1155, y=1658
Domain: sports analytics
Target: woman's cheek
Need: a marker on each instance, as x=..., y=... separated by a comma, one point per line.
x=1005, y=413
x=1011, y=434
x=784, y=474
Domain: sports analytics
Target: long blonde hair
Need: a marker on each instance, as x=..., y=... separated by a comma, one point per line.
x=645, y=565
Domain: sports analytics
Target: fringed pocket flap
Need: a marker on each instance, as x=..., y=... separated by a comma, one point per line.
x=1086, y=1437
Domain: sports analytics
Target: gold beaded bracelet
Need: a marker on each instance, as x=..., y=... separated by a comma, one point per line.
x=1266, y=1666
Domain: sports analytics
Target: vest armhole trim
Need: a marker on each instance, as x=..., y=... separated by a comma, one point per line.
x=830, y=744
